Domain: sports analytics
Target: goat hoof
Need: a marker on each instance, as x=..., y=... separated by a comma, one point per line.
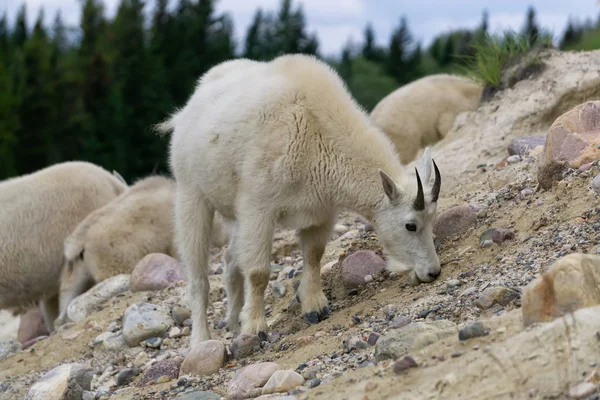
x=262, y=336
x=312, y=317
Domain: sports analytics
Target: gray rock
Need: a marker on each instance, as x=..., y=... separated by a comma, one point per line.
x=399, y=342
x=65, y=382
x=143, y=320
x=278, y=289
x=354, y=343
x=522, y=146
x=373, y=337
x=180, y=314
x=281, y=381
x=454, y=221
x=9, y=347
x=358, y=265
x=406, y=363
x=472, y=330
x=204, y=359
x=81, y=306
x=200, y=395
x=125, y=376
x=513, y=159
x=399, y=321
x=114, y=341
x=596, y=184
x=244, y=345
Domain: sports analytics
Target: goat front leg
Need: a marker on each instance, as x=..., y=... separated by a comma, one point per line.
x=315, y=306
x=193, y=225
x=255, y=241
x=234, y=286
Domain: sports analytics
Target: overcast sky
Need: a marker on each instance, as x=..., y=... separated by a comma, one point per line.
x=337, y=20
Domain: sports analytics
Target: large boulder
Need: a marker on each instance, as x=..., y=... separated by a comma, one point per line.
x=571, y=283
x=156, y=271
x=573, y=140
x=65, y=382
x=358, y=265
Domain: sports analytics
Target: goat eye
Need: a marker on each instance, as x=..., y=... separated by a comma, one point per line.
x=411, y=227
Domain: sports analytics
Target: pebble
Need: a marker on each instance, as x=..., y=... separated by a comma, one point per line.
x=67, y=381
x=153, y=342
x=140, y=359
x=373, y=337
x=582, y=390
x=278, y=289
x=404, y=364
x=513, y=159
x=472, y=330
x=250, y=377
x=85, y=304
x=314, y=383
x=282, y=381
x=204, y=359
x=9, y=347
x=496, y=295
x=180, y=314
x=244, y=345
x=175, y=332
x=368, y=278
x=399, y=321
x=452, y=283
x=165, y=368
x=125, y=376
x=144, y=320
x=596, y=184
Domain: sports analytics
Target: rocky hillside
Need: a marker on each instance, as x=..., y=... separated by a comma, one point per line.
x=462, y=336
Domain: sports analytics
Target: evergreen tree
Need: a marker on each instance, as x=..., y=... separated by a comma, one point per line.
x=254, y=43
x=9, y=123
x=370, y=50
x=531, y=29
x=20, y=32
x=4, y=41
x=37, y=146
x=402, y=59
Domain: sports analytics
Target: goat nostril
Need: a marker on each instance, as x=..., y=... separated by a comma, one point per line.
x=434, y=274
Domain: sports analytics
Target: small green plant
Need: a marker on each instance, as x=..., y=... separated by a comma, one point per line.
x=495, y=53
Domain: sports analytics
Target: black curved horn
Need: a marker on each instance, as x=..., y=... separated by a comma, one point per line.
x=435, y=190
x=419, y=203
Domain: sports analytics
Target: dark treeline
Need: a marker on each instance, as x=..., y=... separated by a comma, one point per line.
x=92, y=92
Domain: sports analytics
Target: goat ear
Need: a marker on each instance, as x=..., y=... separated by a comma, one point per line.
x=425, y=166
x=389, y=186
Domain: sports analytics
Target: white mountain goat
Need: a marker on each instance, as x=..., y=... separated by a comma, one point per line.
x=422, y=112
x=284, y=143
x=37, y=212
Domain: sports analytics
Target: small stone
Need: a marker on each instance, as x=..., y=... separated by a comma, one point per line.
x=399, y=321
x=186, y=331
x=314, y=383
x=204, y=359
x=125, y=376
x=140, y=359
x=523, y=145
x=244, y=345
x=582, y=390
x=278, y=289
x=373, y=337
x=180, y=314
x=282, y=381
x=472, y=330
x=596, y=184
x=496, y=235
x=164, y=368
x=353, y=343
x=153, y=343
x=389, y=310
x=9, y=347
x=144, y=320
x=340, y=229
x=452, y=283
x=175, y=332
x=250, y=377
x=368, y=278
x=513, y=159
x=67, y=381
x=327, y=268
x=487, y=243
x=404, y=364
x=164, y=379
x=156, y=271
x=358, y=265
x=496, y=295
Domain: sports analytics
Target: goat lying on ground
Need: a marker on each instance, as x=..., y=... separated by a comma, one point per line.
x=284, y=143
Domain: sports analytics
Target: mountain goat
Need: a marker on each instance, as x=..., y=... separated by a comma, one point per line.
x=112, y=239
x=422, y=112
x=37, y=212
x=284, y=143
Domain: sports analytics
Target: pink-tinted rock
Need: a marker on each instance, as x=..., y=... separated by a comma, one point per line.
x=32, y=325
x=204, y=359
x=454, y=221
x=156, y=271
x=522, y=146
x=573, y=140
x=33, y=341
x=250, y=377
x=358, y=265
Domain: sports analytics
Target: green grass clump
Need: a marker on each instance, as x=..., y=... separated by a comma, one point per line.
x=495, y=53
